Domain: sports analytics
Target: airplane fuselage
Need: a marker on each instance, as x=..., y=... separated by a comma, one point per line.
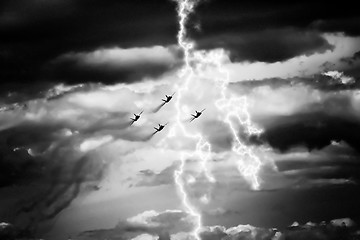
x=161, y=127
x=197, y=115
x=168, y=98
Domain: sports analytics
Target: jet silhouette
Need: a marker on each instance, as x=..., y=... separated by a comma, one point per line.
x=136, y=117
x=165, y=101
x=197, y=114
x=161, y=127
x=168, y=98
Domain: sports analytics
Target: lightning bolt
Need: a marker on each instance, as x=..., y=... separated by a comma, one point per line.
x=235, y=110
x=203, y=148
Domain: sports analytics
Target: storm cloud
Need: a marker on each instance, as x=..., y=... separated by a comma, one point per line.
x=271, y=45
x=36, y=33
x=76, y=72
x=114, y=65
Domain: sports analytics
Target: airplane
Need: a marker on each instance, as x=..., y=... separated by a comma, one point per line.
x=168, y=98
x=197, y=114
x=161, y=127
x=136, y=117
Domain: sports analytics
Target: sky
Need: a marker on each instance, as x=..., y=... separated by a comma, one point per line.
x=74, y=165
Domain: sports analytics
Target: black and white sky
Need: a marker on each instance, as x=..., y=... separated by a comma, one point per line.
x=73, y=72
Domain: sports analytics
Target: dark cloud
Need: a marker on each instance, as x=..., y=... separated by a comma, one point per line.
x=333, y=163
x=351, y=60
x=332, y=81
x=317, y=81
x=69, y=72
x=319, y=171
x=270, y=32
x=352, y=65
x=348, y=25
x=18, y=166
x=35, y=33
x=331, y=230
x=328, y=137
x=217, y=17
x=271, y=45
x=113, y=65
x=214, y=233
x=313, y=130
x=10, y=232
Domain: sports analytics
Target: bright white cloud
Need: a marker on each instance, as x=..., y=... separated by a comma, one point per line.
x=90, y=144
x=125, y=58
x=339, y=76
x=145, y=237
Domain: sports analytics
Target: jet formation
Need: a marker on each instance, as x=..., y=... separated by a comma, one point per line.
x=160, y=127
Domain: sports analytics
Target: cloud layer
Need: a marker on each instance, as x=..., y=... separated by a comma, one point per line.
x=171, y=225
